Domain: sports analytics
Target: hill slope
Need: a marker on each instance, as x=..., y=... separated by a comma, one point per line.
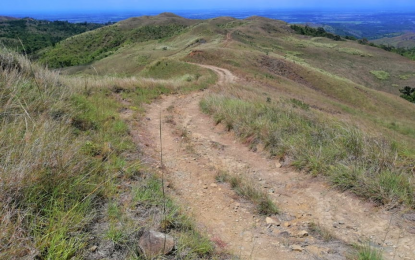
x=101, y=43
x=6, y=18
x=406, y=40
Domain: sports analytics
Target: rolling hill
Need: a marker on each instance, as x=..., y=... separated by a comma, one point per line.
x=406, y=40
x=6, y=18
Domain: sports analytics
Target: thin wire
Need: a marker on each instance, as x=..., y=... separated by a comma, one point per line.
x=162, y=183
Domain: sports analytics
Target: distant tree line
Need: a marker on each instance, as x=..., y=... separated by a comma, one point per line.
x=29, y=35
x=315, y=32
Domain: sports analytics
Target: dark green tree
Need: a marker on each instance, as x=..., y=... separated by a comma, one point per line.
x=408, y=93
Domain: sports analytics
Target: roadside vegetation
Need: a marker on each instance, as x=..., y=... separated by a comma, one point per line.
x=372, y=167
x=246, y=188
x=66, y=162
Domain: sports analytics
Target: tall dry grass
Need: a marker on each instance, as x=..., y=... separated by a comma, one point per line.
x=63, y=153
x=371, y=166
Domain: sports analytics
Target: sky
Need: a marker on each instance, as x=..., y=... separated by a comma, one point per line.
x=32, y=6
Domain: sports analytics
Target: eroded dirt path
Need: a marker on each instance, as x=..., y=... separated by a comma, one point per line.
x=195, y=150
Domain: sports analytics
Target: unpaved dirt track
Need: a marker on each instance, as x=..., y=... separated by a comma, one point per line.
x=195, y=149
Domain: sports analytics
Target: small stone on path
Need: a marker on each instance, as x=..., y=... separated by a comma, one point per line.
x=272, y=221
x=302, y=233
x=93, y=248
x=297, y=248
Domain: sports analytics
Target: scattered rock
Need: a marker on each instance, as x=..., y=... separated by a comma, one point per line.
x=93, y=248
x=285, y=234
x=153, y=243
x=272, y=221
x=213, y=185
x=409, y=217
x=316, y=251
x=302, y=233
x=205, y=187
x=287, y=224
x=411, y=230
x=297, y=248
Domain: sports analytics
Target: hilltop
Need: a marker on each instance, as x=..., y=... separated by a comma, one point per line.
x=275, y=142
x=6, y=18
x=159, y=36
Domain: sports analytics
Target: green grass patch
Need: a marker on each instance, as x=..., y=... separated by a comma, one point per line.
x=406, y=76
x=367, y=252
x=380, y=74
x=246, y=189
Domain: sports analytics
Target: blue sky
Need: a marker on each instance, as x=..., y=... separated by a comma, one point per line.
x=171, y=5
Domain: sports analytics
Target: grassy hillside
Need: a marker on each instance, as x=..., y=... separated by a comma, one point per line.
x=352, y=81
x=29, y=35
x=98, y=44
x=68, y=162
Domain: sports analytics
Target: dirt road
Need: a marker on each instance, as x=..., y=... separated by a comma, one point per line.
x=195, y=150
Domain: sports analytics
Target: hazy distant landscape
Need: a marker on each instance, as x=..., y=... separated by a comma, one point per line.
x=368, y=24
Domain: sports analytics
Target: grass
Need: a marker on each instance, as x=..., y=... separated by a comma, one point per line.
x=321, y=232
x=354, y=51
x=101, y=43
x=369, y=166
x=380, y=74
x=46, y=179
x=190, y=242
x=366, y=252
x=246, y=189
x=64, y=154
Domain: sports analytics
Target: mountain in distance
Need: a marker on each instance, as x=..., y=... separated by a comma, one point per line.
x=6, y=18
x=406, y=40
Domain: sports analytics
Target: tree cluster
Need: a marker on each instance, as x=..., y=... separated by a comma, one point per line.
x=315, y=32
x=29, y=35
x=408, y=93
